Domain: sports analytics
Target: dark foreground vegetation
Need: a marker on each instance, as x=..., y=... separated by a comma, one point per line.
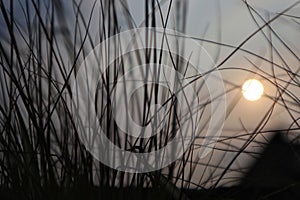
x=41, y=155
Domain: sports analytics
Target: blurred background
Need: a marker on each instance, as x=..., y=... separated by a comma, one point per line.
x=42, y=45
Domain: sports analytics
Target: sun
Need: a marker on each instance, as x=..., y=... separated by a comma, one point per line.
x=252, y=90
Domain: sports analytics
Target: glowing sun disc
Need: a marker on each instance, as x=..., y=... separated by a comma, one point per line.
x=252, y=90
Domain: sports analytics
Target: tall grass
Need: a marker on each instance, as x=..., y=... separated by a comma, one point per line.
x=40, y=54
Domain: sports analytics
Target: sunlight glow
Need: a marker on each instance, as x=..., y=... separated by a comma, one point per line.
x=252, y=90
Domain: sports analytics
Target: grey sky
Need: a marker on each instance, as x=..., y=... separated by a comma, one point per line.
x=228, y=22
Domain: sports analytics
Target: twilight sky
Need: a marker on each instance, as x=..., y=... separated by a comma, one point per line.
x=230, y=22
